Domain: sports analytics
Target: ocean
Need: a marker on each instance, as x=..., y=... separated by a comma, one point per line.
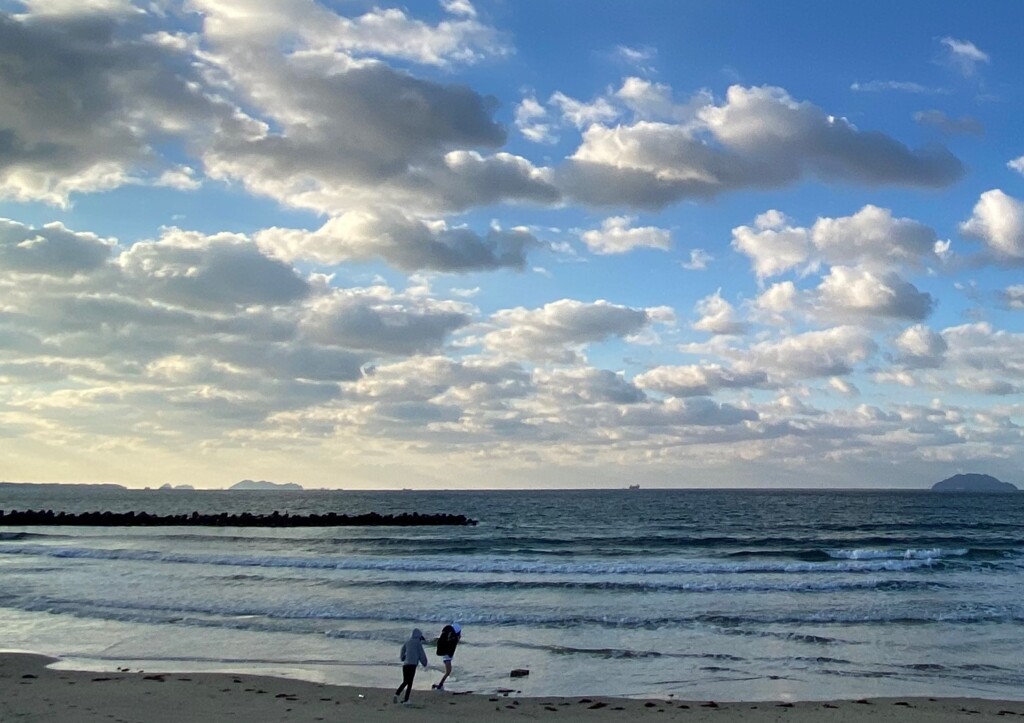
x=701, y=594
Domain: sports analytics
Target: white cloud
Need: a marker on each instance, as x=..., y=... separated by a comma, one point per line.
x=844, y=387
x=1013, y=296
x=871, y=238
x=964, y=55
x=698, y=380
x=618, y=236
x=903, y=86
x=998, y=220
x=406, y=243
x=826, y=353
x=699, y=260
x=531, y=120
x=638, y=57
x=773, y=250
x=919, y=346
x=775, y=302
x=849, y=291
x=717, y=316
x=459, y=7
x=1017, y=164
x=582, y=114
x=758, y=138
x=52, y=250
x=559, y=329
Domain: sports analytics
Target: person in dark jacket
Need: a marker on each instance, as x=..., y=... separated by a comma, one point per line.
x=412, y=655
x=446, y=644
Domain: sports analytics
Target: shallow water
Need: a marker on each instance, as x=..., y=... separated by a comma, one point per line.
x=730, y=594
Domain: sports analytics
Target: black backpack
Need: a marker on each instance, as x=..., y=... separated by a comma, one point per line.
x=447, y=641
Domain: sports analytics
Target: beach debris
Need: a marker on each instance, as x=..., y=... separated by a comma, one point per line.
x=863, y=701
x=586, y=700
x=551, y=708
x=519, y=672
x=709, y=704
x=784, y=705
x=597, y=705
x=649, y=704
x=29, y=675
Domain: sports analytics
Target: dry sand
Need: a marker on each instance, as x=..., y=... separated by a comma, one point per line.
x=29, y=691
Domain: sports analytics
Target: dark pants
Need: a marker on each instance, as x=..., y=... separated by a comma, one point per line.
x=408, y=673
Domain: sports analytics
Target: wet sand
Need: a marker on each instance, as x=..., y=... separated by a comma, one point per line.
x=30, y=692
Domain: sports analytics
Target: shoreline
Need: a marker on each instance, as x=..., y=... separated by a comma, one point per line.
x=31, y=692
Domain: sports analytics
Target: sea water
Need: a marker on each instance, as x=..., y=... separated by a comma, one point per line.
x=725, y=594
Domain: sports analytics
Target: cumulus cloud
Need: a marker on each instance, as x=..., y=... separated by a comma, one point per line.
x=407, y=243
x=223, y=270
x=698, y=380
x=586, y=385
x=773, y=247
x=1013, y=296
x=556, y=331
x=582, y=114
x=825, y=353
x=775, y=302
x=52, y=250
x=617, y=235
x=1017, y=164
x=758, y=138
x=717, y=316
x=81, y=100
x=872, y=238
x=918, y=346
x=532, y=121
x=853, y=291
x=998, y=221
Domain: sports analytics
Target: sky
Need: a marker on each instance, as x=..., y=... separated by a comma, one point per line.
x=502, y=244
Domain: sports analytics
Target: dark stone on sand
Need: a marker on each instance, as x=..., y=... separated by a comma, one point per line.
x=519, y=673
x=709, y=704
x=596, y=705
x=28, y=518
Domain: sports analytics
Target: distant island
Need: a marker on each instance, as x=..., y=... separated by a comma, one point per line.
x=50, y=485
x=248, y=484
x=169, y=486
x=973, y=483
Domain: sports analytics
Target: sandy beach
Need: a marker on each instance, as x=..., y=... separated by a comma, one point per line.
x=30, y=691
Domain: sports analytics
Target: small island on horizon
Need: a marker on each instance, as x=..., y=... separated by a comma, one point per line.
x=248, y=484
x=973, y=483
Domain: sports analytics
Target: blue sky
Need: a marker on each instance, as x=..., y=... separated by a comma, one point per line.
x=510, y=244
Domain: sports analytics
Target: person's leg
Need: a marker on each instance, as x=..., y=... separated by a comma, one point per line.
x=447, y=672
x=409, y=671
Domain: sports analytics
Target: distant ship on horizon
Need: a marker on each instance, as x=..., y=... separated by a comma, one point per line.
x=633, y=487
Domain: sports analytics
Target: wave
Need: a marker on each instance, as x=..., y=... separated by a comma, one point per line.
x=15, y=536
x=246, y=615
x=644, y=586
x=476, y=564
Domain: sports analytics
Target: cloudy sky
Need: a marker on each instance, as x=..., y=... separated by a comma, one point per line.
x=510, y=244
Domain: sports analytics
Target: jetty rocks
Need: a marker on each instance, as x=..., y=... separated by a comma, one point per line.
x=25, y=518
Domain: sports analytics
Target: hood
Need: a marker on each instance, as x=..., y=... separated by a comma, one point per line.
x=417, y=634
